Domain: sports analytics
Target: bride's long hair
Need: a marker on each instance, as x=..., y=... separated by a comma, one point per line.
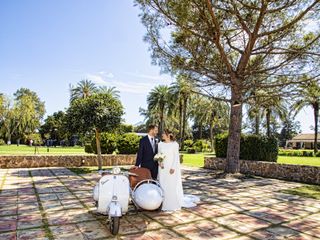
x=170, y=134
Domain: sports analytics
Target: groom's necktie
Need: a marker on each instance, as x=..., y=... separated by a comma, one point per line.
x=152, y=144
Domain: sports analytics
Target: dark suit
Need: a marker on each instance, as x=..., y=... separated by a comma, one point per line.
x=145, y=156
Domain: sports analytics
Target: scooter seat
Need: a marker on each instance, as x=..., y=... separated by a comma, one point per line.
x=142, y=174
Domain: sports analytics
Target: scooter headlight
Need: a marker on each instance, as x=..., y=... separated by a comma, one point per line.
x=116, y=170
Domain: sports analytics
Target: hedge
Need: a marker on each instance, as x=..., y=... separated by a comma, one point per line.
x=2, y=142
x=252, y=147
x=296, y=153
x=128, y=143
x=88, y=148
x=108, y=143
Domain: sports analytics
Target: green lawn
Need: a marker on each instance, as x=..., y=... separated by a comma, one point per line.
x=194, y=160
x=27, y=150
x=311, y=161
x=197, y=160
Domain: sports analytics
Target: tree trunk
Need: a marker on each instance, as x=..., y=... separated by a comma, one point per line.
x=268, y=115
x=200, y=130
x=316, y=117
x=180, y=121
x=211, y=137
x=257, y=123
x=98, y=149
x=184, y=121
x=161, y=122
x=233, y=151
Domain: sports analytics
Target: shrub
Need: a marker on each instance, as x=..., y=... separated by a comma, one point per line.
x=128, y=143
x=188, y=143
x=201, y=145
x=108, y=143
x=221, y=145
x=252, y=147
x=310, y=154
x=2, y=142
x=35, y=137
x=191, y=150
x=88, y=148
x=318, y=154
x=295, y=153
x=206, y=147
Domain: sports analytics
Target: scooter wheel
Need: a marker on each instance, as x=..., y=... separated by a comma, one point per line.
x=114, y=225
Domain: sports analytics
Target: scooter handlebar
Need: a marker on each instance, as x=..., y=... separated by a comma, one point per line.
x=123, y=173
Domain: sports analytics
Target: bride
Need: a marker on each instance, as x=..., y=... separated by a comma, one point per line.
x=170, y=176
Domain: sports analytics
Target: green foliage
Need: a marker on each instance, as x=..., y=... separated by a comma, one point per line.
x=128, y=143
x=188, y=143
x=318, y=154
x=252, y=147
x=309, y=95
x=296, y=153
x=204, y=43
x=99, y=111
x=221, y=145
x=22, y=115
x=2, y=142
x=36, y=138
x=83, y=89
x=108, y=143
x=307, y=154
x=290, y=128
x=54, y=126
x=88, y=148
x=125, y=128
x=202, y=145
x=158, y=102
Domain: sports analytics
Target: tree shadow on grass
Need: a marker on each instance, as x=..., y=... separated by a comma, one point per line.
x=309, y=191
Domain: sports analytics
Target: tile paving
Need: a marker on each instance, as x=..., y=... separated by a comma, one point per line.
x=55, y=203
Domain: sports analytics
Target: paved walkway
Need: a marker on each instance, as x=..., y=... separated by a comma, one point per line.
x=55, y=203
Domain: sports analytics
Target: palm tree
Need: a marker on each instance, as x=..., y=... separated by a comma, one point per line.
x=83, y=89
x=158, y=102
x=310, y=96
x=262, y=106
x=218, y=119
x=181, y=92
x=273, y=107
x=109, y=90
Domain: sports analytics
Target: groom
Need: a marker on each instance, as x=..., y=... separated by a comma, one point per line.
x=148, y=148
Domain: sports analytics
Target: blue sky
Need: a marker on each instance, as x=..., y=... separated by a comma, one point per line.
x=46, y=45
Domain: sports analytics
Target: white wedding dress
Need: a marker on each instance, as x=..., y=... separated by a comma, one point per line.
x=171, y=184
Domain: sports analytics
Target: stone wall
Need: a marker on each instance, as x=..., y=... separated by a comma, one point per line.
x=298, y=173
x=34, y=161
x=64, y=160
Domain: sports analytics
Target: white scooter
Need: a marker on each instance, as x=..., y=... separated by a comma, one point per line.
x=112, y=194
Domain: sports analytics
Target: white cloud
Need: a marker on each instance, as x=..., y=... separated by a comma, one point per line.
x=106, y=79
x=106, y=74
x=136, y=87
x=97, y=79
x=150, y=77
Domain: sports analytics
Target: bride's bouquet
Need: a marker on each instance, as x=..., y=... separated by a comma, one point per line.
x=159, y=157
